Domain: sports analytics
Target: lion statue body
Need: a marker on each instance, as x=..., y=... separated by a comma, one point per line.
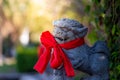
x=91, y=60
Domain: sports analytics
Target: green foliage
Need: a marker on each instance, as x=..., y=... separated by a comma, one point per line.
x=92, y=37
x=105, y=14
x=87, y=9
x=26, y=58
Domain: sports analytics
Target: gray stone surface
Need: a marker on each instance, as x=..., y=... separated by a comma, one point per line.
x=91, y=60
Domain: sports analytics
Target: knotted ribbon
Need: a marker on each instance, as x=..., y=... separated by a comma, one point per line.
x=57, y=57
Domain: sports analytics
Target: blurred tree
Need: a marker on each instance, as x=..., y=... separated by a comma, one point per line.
x=37, y=15
x=2, y=18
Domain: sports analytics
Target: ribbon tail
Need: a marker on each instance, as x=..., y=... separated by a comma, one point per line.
x=62, y=58
x=68, y=66
x=69, y=70
x=42, y=62
x=56, y=60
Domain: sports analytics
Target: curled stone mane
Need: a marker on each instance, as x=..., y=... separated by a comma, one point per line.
x=65, y=22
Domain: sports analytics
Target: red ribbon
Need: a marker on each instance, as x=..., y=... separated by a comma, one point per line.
x=58, y=57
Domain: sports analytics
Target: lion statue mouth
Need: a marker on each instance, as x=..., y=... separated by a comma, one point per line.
x=61, y=39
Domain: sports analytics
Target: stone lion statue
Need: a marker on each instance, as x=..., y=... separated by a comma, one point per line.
x=91, y=60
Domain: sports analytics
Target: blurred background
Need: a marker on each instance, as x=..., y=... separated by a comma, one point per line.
x=22, y=21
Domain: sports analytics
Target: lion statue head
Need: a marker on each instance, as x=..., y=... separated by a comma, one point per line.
x=68, y=29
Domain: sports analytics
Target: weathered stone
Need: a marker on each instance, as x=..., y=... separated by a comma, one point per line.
x=91, y=60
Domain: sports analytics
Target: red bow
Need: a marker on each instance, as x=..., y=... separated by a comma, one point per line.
x=58, y=56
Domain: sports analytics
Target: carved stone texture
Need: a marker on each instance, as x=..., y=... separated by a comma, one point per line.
x=91, y=60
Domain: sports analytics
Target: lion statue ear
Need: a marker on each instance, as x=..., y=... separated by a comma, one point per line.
x=82, y=31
